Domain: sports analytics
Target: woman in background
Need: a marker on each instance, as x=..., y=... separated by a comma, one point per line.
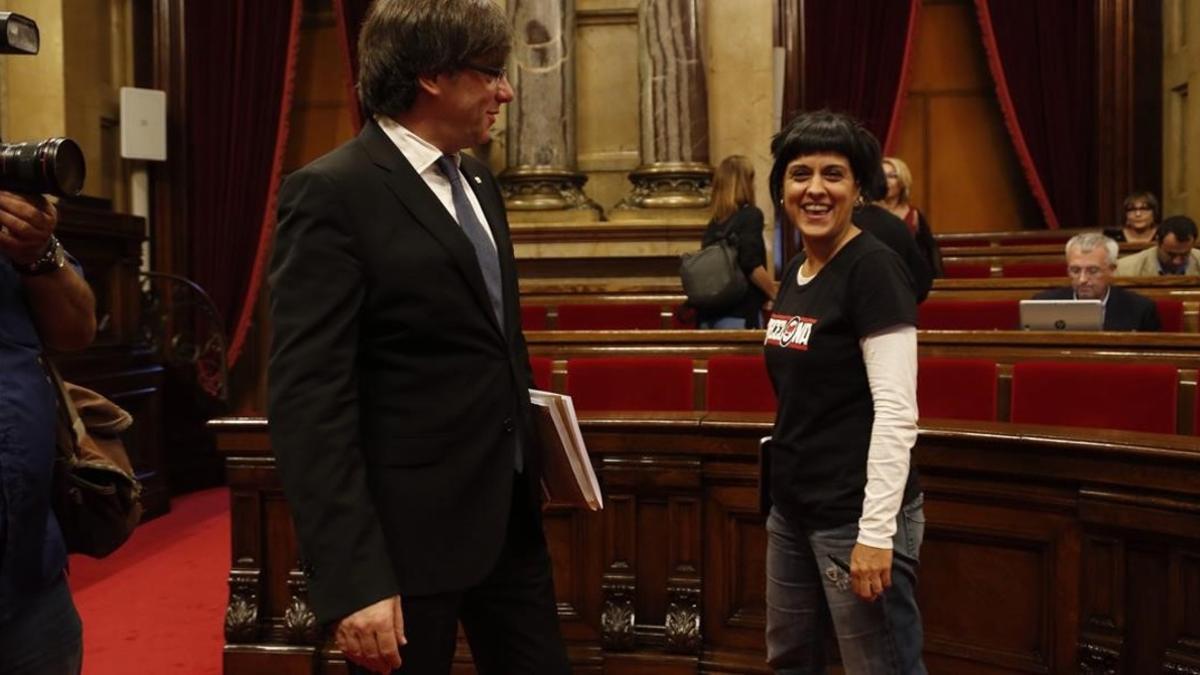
x=845, y=528
x=896, y=200
x=734, y=213
x=1141, y=214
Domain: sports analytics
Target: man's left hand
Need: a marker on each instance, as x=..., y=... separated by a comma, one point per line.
x=870, y=571
x=26, y=223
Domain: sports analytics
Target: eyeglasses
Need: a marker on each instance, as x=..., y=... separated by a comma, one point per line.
x=1090, y=271
x=494, y=73
x=1137, y=207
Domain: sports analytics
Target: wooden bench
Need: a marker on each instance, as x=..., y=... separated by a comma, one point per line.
x=1046, y=550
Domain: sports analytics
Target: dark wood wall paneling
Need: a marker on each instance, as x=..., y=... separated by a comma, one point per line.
x=1046, y=550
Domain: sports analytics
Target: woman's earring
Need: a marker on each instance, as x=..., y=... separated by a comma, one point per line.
x=860, y=202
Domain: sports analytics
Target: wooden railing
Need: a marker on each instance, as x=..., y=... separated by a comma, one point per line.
x=1047, y=550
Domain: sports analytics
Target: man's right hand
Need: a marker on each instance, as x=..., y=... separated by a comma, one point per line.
x=372, y=636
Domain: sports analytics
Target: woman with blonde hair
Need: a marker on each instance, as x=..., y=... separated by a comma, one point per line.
x=896, y=199
x=734, y=215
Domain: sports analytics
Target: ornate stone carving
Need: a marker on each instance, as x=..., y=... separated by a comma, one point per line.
x=299, y=621
x=672, y=185
x=1098, y=660
x=545, y=189
x=617, y=617
x=241, y=614
x=683, y=620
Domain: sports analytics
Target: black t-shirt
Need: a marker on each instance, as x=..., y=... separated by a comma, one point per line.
x=818, y=452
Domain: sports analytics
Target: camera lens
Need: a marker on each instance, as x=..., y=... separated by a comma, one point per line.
x=52, y=166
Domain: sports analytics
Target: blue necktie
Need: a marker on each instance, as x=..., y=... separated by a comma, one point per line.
x=485, y=250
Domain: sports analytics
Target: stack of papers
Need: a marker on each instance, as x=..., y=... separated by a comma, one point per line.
x=567, y=474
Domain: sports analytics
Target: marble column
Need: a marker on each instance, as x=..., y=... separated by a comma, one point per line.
x=674, y=172
x=541, y=181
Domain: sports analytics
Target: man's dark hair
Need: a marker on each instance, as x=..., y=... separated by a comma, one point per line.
x=402, y=40
x=824, y=131
x=1182, y=227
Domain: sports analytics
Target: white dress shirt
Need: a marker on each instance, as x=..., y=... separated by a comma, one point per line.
x=423, y=155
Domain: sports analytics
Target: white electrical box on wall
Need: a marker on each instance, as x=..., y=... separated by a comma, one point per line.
x=143, y=124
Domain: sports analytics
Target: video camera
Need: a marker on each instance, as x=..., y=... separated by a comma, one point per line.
x=51, y=166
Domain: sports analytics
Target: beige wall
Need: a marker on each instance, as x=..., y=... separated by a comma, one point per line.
x=741, y=119
x=71, y=87
x=1181, y=114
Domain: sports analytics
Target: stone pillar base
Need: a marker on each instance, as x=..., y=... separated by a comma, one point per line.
x=668, y=185
x=539, y=194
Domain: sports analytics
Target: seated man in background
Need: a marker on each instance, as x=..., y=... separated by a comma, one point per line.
x=1091, y=261
x=1172, y=254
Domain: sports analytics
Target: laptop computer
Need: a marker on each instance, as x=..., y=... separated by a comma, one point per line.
x=1062, y=315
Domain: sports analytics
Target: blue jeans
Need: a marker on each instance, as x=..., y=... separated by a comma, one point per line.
x=46, y=638
x=873, y=637
x=725, y=323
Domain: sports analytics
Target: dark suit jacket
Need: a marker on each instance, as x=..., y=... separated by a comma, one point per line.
x=1125, y=310
x=395, y=398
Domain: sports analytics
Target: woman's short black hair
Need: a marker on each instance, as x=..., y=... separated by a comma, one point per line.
x=825, y=131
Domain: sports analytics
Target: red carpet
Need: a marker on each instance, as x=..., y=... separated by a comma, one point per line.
x=158, y=604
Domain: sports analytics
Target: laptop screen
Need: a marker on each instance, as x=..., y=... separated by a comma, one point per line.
x=1062, y=315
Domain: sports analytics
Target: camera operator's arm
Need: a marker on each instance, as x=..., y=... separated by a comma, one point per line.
x=61, y=301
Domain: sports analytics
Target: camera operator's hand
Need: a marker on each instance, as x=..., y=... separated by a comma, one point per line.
x=26, y=223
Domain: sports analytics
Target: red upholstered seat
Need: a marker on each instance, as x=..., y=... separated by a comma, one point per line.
x=966, y=270
x=1170, y=314
x=631, y=383
x=610, y=316
x=1102, y=395
x=533, y=317
x=542, y=368
x=1042, y=270
x=961, y=389
x=739, y=384
x=948, y=314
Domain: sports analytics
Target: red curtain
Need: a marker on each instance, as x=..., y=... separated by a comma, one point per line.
x=1043, y=60
x=350, y=15
x=856, y=56
x=240, y=68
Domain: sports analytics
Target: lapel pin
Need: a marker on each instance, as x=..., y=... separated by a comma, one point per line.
x=478, y=180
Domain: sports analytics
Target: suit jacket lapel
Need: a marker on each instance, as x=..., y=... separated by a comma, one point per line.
x=412, y=192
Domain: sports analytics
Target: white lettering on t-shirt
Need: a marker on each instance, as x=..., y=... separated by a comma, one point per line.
x=791, y=332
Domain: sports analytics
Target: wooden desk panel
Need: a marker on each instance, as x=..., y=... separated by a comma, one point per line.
x=1036, y=538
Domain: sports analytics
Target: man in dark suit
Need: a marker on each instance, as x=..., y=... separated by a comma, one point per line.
x=399, y=377
x=1091, y=262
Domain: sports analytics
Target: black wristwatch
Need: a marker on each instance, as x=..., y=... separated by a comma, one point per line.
x=52, y=259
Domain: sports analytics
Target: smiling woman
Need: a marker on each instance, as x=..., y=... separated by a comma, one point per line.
x=841, y=352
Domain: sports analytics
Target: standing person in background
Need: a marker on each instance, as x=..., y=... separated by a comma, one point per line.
x=897, y=200
x=735, y=215
x=845, y=528
x=44, y=302
x=399, y=377
x=1141, y=215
